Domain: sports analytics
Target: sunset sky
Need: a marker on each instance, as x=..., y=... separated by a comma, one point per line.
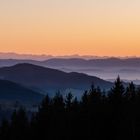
x=65, y=27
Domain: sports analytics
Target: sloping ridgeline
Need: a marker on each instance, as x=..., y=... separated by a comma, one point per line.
x=38, y=77
x=11, y=92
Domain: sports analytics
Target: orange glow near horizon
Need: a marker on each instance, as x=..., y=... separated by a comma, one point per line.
x=91, y=27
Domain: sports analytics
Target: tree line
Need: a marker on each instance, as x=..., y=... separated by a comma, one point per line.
x=114, y=115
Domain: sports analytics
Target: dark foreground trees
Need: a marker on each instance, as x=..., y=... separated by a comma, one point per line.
x=112, y=116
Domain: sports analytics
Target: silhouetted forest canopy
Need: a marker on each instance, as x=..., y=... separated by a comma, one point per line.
x=98, y=115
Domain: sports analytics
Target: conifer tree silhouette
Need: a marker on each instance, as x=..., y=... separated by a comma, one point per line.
x=97, y=115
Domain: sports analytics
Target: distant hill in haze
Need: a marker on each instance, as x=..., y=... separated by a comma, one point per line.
x=117, y=62
x=108, y=68
x=12, y=92
x=76, y=62
x=11, y=62
x=105, y=68
x=12, y=55
x=42, y=78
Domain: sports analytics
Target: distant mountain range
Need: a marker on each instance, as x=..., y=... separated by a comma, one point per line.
x=107, y=68
x=76, y=62
x=12, y=55
x=12, y=92
x=41, y=57
x=28, y=78
x=46, y=79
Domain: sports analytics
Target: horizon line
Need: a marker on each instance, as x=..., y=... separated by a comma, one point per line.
x=68, y=55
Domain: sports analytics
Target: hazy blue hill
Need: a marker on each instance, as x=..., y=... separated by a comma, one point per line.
x=64, y=62
x=109, y=68
x=130, y=62
x=11, y=62
x=100, y=62
x=49, y=79
x=10, y=91
x=105, y=68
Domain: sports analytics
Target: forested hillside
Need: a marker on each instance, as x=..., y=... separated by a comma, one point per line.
x=115, y=116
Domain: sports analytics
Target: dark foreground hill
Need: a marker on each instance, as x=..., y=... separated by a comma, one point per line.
x=94, y=117
x=12, y=92
x=42, y=78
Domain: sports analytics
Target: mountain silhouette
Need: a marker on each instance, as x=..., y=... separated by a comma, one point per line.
x=39, y=77
x=10, y=91
x=105, y=68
